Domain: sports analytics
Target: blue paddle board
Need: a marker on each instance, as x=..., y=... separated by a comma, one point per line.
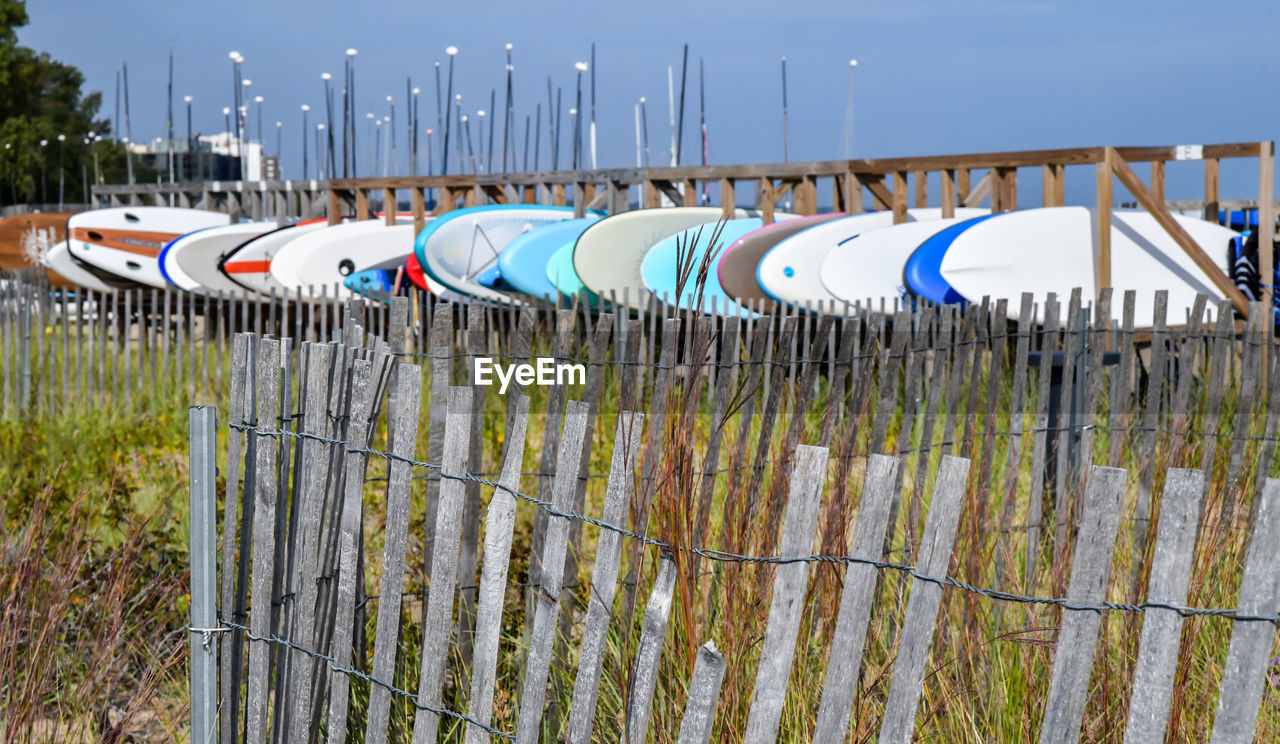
x=523, y=263
x=660, y=265
x=923, y=270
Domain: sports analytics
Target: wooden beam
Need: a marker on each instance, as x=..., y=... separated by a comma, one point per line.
x=690, y=192
x=881, y=197
x=1211, y=189
x=962, y=185
x=362, y=204
x=1009, y=185
x=806, y=196
x=557, y=195
x=765, y=200
x=389, y=207
x=899, y=197
x=418, y=203
x=335, y=207
x=854, y=198
x=1102, y=220
x=997, y=189
x=1175, y=230
x=980, y=191
x=922, y=188
x=948, y=193
x=1266, y=222
x=1048, y=179
x=727, y=199
x=1157, y=180
x=598, y=200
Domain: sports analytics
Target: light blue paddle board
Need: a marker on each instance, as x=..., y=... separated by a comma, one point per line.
x=523, y=263
x=660, y=265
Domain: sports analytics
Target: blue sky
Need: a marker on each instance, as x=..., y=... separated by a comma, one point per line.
x=933, y=77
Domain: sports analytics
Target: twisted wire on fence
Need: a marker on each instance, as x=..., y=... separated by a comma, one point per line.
x=728, y=557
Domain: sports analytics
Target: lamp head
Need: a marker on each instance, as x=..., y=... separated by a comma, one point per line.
x=451, y=51
x=416, y=91
x=351, y=52
x=326, y=76
x=580, y=66
x=305, y=107
x=226, y=111
x=853, y=63
x=509, y=47
x=187, y=99
x=257, y=99
x=62, y=138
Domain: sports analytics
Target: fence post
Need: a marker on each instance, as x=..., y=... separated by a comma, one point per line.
x=1158, y=649
x=1245, y=671
x=1078, y=638
x=204, y=642
x=790, y=581
x=704, y=695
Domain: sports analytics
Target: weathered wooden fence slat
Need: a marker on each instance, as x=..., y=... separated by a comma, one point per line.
x=790, y=582
x=921, y=614
x=1078, y=636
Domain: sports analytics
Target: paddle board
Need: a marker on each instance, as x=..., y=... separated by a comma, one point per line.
x=737, y=267
x=1052, y=250
x=459, y=246
x=249, y=265
x=790, y=272
x=323, y=258
x=922, y=274
x=867, y=268
x=191, y=261
x=58, y=259
x=685, y=253
x=120, y=245
x=561, y=274
x=608, y=254
x=523, y=263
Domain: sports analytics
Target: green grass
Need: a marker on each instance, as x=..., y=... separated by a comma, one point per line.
x=94, y=548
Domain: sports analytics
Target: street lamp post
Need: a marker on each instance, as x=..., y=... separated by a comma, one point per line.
x=62, y=138
x=349, y=109
x=848, y=114
x=44, y=190
x=191, y=142
x=305, y=129
x=581, y=67
x=444, y=151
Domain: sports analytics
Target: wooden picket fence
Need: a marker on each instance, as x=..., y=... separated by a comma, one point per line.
x=933, y=411
x=902, y=405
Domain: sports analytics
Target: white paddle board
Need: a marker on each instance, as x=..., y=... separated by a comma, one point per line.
x=120, y=245
x=1052, y=249
x=191, y=261
x=791, y=271
x=322, y=258
x=866, y=269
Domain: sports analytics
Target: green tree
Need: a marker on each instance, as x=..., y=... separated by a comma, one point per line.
x=40, y=99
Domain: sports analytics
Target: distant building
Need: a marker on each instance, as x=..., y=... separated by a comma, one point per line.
x=216, y=157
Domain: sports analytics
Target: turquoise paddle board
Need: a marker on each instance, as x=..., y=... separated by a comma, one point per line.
x=661, y=264
x=523, y=263
x=564, y=278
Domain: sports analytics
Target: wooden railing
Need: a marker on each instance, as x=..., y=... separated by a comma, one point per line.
x=887, y=183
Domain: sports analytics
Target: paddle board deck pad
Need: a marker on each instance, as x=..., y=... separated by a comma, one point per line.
x=120, y=245
x=737, y=268
x=867, y=269
x=562, y=276
x=58, y=260
x=523, y=263
x=791, y=271
x=324, y=258
x=459, y=246
x=608, y=255
x=1052, y=249
x=687, y=250
x=191, y=261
